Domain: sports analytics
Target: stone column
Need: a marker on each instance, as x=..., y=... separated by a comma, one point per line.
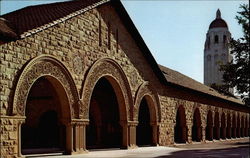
x=125, y=133
x=132, y=134
x=203, y=132
x=69, y=138
x=155, y=129
x=189, y=136
x=79, y=135
x=20, y=121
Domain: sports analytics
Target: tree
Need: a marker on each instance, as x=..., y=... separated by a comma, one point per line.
x=237, y=72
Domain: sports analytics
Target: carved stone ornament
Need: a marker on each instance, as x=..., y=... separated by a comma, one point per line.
x=36, y=68
x=112, y=71
x=134, y=79
x=146, y=90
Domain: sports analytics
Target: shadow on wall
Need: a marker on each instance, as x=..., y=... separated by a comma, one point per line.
x=239, y=152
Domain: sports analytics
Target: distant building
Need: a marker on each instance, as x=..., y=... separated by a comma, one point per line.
x=216, y=51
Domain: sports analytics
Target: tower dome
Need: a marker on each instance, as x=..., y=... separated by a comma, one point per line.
x=218, y=22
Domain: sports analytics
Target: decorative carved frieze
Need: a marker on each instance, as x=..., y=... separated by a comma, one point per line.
x=146, y=90
x=49, y=67
x=113, y=72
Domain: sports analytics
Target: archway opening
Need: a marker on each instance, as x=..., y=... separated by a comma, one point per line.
x=104, y=129
x=209, y=128
x=180, y=130
x=238, y=127
x=234, y=126
x=229, y=126
x=196, y=129
x=216, y=126
x=44, y=129
x=144, y=134
x=223, y=126
x=246, y=127
x=242, y=132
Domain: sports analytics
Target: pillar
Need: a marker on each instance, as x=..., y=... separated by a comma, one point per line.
x=79, y=135
x=132, y=134
x=19, y=135
x=189, y=133
x=125, y=134
x=69, y=138
x=155, y=129
x=203, y=133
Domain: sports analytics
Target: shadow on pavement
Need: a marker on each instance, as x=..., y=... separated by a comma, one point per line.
x=237, y=152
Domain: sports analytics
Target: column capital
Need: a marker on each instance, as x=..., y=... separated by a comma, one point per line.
x=133, y=123
x=80, y=121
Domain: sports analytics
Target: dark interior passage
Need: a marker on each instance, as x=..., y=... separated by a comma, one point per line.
x=234, y=126
x=229, y=126
x=42, y=131
x=144, y=130
x=216, y=126
x=209, y=127
x=238, y=127
x=104, y=129
x=196, y=129
x=223, y=126
x=180, y=130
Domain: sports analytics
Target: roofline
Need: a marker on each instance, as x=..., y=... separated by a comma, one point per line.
x=121, y=11
x=62, y=19
x=209, y=95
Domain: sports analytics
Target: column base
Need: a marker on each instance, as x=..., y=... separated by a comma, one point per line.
x=79, y=152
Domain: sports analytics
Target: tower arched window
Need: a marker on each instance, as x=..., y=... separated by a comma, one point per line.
x=209, y=58
x=216, y=59
x=208, y=42
x=224, y=38
x=216, y=39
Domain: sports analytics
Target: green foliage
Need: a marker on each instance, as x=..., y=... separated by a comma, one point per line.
x=237, y=72
x=224, y=89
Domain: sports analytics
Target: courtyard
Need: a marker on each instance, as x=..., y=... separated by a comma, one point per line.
x=235, y=148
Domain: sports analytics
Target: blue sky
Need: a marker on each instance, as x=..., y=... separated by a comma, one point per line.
x=174, y=31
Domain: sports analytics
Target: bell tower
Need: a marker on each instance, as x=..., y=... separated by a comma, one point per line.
x=216, y=51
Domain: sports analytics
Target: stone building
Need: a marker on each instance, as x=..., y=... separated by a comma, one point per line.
x=77, y=75
x=216, y=51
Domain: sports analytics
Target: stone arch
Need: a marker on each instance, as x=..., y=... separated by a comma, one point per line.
x=223, y=126
x=147, y=94
x=145, y=90
x=229, y=125
x=52, y=68
x=234, y=125
x=216, y=125
x=238, y=125
x=180, y=129
x=209, y=127
x=196, y=128
x=112, y=71
x=242, y=130
x=246, y=127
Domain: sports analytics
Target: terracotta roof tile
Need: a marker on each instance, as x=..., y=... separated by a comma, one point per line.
x=31, y=17
x=185, y=81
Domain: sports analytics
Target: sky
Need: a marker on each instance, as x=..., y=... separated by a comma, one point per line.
x=174, y=30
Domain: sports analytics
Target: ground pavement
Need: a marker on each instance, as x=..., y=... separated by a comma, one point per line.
x=238, y=148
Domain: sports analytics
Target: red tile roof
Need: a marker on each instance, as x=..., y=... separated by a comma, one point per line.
x=31, y=17
x=177, y=78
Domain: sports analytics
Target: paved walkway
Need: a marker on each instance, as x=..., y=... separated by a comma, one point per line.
x=219, y=149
